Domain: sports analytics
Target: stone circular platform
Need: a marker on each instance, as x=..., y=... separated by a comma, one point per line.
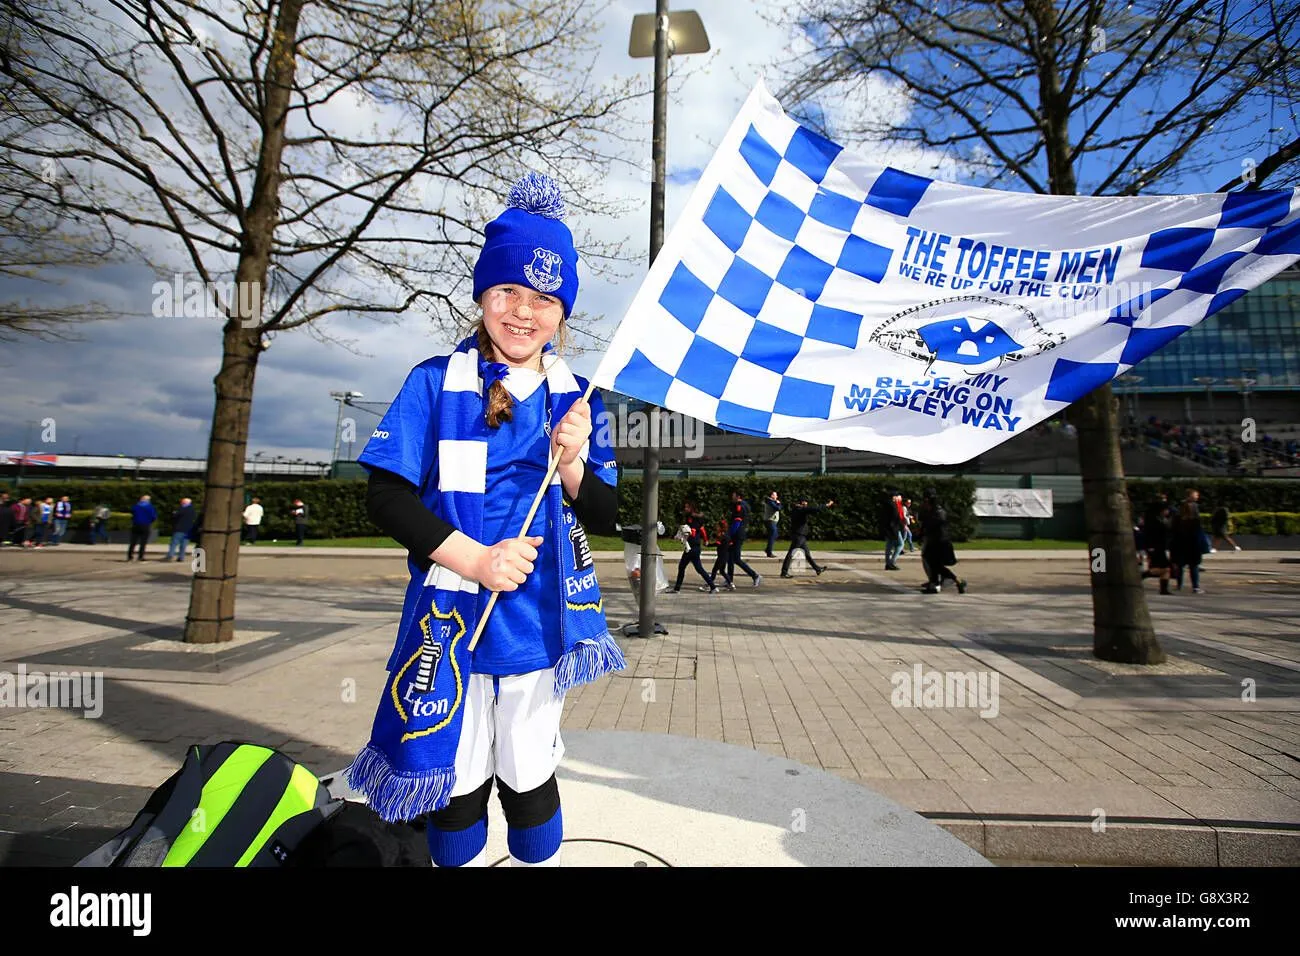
x=637, y=799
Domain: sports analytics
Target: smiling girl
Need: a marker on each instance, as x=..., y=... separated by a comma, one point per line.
x=454, y=468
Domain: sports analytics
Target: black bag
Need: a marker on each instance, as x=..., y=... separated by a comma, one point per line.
x=356, y=836
x=236, y=804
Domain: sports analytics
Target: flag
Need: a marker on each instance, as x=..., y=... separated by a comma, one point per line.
x=808, y=293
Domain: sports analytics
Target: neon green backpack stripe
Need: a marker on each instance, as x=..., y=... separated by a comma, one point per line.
x=299, y=797
x=219, y=795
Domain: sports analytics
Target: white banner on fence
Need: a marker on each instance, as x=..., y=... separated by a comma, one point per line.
x=1012, y=503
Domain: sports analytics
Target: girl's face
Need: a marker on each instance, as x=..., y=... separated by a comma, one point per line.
x=520, y=321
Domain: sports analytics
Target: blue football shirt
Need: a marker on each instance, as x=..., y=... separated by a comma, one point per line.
x=522, y=634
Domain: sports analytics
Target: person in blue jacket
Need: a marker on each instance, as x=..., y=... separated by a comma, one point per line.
x=143, y=515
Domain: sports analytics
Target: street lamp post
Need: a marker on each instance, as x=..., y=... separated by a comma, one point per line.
x=1247, y=380
x=22, y=460
x=1208, y=381
x=681, y=33
x=1130, y=381
x=342, y=398
x=1244, y=384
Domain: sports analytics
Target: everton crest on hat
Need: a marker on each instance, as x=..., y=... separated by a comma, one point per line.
x=529, y=244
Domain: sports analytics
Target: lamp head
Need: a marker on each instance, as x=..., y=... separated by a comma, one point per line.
x=686, y=34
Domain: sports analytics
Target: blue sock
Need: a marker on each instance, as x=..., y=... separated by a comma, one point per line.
x=457, y=847
x=537, y=844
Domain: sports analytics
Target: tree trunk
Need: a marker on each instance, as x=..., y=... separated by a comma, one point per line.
x=1121, y=622
x=211, y=616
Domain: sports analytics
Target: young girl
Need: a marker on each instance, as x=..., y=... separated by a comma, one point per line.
x=696, y=538
x=454, y=467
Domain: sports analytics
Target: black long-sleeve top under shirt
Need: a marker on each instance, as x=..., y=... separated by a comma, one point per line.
x=394, y=504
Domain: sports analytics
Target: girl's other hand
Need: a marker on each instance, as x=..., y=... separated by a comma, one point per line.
x=572, y=433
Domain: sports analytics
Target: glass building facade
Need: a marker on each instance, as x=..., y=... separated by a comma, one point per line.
x=1256, y=337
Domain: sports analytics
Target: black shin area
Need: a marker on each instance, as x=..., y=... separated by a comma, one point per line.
x=532, y=808
x=464, y=811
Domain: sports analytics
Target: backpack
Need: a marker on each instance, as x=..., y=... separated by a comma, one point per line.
x=237, y=804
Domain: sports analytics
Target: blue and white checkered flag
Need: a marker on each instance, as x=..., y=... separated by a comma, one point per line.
x=808, y=293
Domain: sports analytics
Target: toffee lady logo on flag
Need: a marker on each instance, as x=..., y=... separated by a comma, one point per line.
x=806, y=292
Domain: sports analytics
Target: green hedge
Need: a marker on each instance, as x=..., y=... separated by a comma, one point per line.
x=338, y=508
x=1261, y=522
x=855, y=515
x=117, y=521
x=1239, y=494
x=118, y=495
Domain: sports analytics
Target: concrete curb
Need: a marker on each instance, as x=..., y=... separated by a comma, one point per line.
x=1007, y=839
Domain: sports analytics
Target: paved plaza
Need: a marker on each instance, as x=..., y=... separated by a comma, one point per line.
x=808, y=721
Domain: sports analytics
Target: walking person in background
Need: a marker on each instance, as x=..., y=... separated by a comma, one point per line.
x=143, y=515
x=44, y=521
x=299, y=514
x=1219, y=529
x=252, y=520
x=1139, y=544
x=693, y=535
x=1155, y=535
x=1186, y=542
x=736, y=531
x=891, y=527
x=62, y=515
x=937, y=553
x=722, y=542
x=6, y=518
x=799, y=534
x=196, y=532
x=772, y=513
x=908, y=520
x=99, y=523
x=182, y=525
x=22, y=517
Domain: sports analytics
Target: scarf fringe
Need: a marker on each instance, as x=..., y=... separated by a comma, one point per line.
x=398, y=797
x=588, y=660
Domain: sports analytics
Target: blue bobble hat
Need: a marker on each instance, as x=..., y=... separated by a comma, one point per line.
x=529, y=244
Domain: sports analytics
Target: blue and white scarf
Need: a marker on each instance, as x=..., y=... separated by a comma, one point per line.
x=408, y=767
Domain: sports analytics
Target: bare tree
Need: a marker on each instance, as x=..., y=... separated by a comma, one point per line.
x=306, y=158
x=38, y=240
x=1106, y=98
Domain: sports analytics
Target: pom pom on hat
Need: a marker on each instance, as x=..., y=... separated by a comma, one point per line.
x=529, y=244
x=539, y=194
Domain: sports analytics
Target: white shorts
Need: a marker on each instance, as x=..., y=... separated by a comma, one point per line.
x=511, y=729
